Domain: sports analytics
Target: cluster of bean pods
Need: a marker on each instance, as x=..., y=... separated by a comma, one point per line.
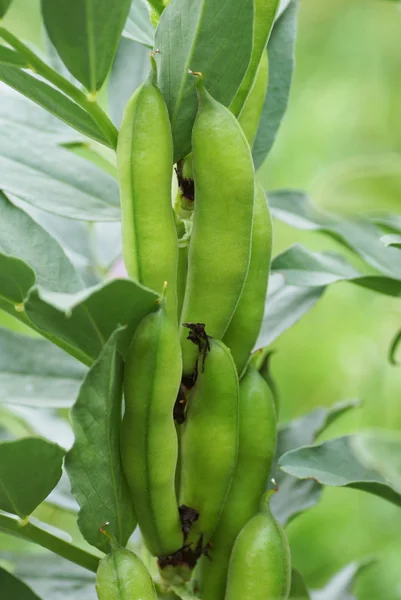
x=199, y=427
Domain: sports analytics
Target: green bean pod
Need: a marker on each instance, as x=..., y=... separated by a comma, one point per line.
x=145, y=168
x=219, y=250
x=209, y=441
x=149, y=445
x=245, y=324
x=121, y=575
x=260, y=563
x=251, y=112
x=256, y=448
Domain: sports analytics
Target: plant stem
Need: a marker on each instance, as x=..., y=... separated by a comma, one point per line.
x=87, y=102
x=32, y=533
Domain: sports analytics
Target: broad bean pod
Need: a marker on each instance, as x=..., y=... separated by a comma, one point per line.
x=145, y=167
x=245, y=324
x=149, y=445
x=219, y=250
x=260, y=563
x=209, y=441
x=256, y=448
x=121, y=575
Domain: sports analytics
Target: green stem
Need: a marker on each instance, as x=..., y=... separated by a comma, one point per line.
x=30, y=532
x=157, y=5
x=87, y=102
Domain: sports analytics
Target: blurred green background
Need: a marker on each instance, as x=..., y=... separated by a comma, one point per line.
x=341, y=142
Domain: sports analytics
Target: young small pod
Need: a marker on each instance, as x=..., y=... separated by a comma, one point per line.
x=121, y=575
x=209, y=441
x=219, y=250
x=260, y=563
x=245, y=324
x=145, y=168
x=256, y=448
x=149, y=446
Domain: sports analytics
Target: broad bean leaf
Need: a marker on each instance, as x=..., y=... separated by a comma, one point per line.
x=280, y=50
x=302, y=267
x=94, y=462
x=84, y=321
x=340, y=585
x=360, y=235
x=19, y=110
x=4, y=6
x=54, y=578
x=138, y=26
x=24, y=239
x=298, y=591
x=86, y=35
x=264, y=16
x=16, y=278
x=130, y=68
x=339, y=462
x=53, y=101
x=189, y=36
x=11, y=57
x=296, y=496
x=29, y=469
x=12, y=587
x=285, y=306
x=392, y=239
x=53, y=179
x=34, y=373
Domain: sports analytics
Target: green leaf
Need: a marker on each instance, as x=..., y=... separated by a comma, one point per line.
x=52, y=178
x=29, y=469
x=35, y=373
x=18, y=110
x=86, y=320
x=280, y=50
x=358, y=234
x=94, y=462
x=293, y=496
x=381, y=449
x=4, y=6
x=16, y=278
x=53, y=577
x=298, y=591
x=341, y=584
x=264, y=15
x=86, y=34
x=11, y=587
x=338, y=462
x=302, y=267
x=21, y=237
x=392, y=239
x=10, y=57
x=285, y=305
x=189, y=36
x=53, y=101
x=130, y=69
x=138, y=26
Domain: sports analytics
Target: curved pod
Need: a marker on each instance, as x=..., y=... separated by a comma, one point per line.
x=219, y=250
x=145, y=167
x=209, y=441
x=256, y=449
x=149, y=445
